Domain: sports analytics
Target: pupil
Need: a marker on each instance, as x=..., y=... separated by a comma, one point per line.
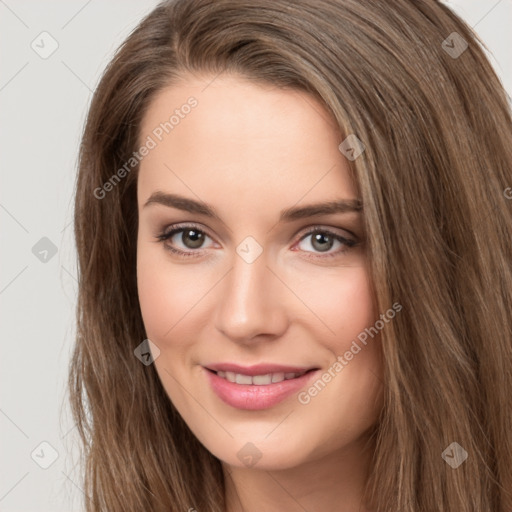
x=321, y=241
x=194, y=236
x=321, y=237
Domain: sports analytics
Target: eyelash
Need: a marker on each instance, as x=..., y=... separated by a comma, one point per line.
x=162, y=237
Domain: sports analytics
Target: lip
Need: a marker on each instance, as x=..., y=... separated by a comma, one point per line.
x=253, y=397
x=257, y=369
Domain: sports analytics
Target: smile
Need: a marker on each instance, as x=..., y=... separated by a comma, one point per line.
x=257, y=391
x=258, y=380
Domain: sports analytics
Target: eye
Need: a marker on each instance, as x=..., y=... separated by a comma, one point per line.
x=322, y=240
x=192, y=239
x=190, y=236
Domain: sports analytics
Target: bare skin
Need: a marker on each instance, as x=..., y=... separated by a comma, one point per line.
x=250, y=152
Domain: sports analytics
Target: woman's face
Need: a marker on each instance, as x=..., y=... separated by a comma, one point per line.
x=253, y=295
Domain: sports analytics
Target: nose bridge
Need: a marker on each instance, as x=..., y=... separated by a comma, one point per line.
x=249, y=303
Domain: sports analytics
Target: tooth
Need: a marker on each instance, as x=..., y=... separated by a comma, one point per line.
x=243, y=379
x=261, y=380
x=258, y=380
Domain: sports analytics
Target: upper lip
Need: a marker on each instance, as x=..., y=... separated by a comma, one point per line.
x=258, y=369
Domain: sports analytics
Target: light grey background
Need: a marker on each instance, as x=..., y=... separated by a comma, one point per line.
x=43, y=102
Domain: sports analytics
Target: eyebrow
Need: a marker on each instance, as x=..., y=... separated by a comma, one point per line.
x=288, y=214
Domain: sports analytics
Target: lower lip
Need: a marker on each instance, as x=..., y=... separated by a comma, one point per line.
x=253, y=398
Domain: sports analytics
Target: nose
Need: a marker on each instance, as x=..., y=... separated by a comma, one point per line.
x=251, y=305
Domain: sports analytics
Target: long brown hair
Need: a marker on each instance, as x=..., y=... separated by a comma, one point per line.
x=433, y=180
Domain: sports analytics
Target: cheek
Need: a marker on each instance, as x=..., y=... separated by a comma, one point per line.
x=162, y=293
x=168, y=294
x=342, y=301
x=156, y=297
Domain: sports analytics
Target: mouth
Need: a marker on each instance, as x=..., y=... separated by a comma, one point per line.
x=259, y=380
x=253, y=389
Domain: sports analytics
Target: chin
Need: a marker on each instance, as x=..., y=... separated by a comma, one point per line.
x=265, y=454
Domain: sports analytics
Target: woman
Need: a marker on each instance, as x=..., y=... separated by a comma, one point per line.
x=293, y=231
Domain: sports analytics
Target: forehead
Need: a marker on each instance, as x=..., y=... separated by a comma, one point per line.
x=242, y=140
